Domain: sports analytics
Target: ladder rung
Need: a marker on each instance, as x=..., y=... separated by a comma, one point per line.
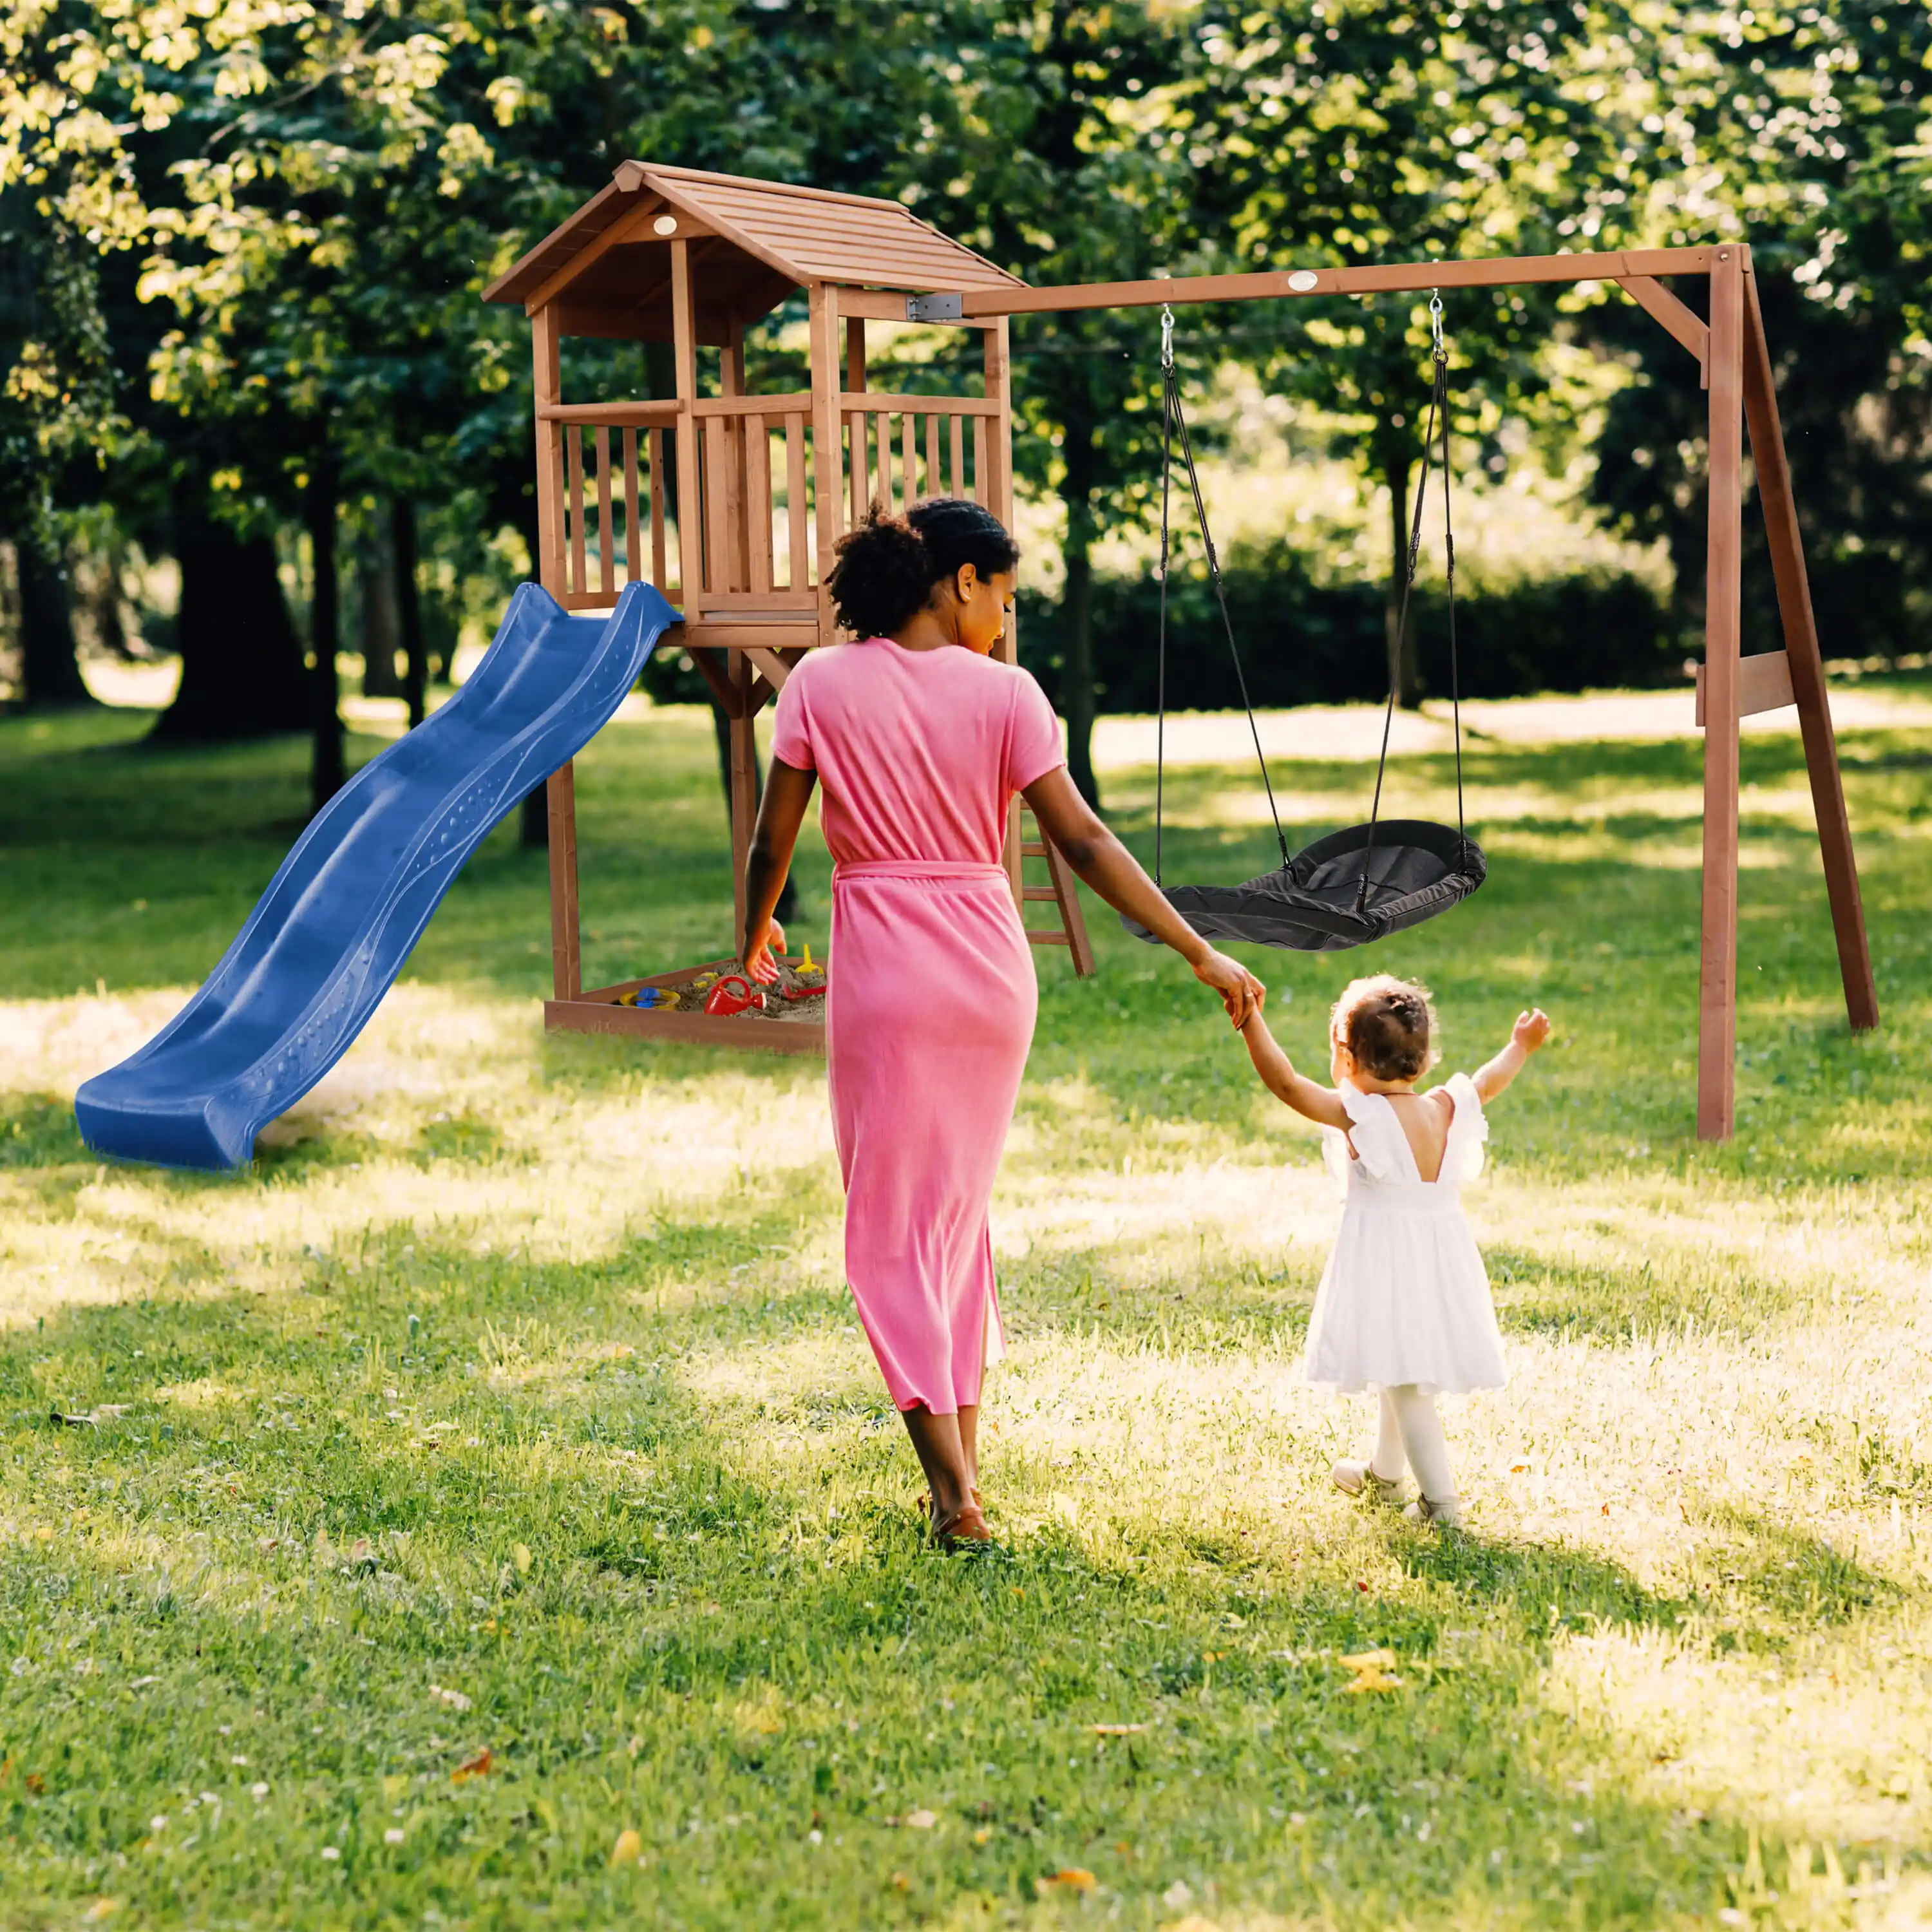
x=1030, y=850
x=1040, y=937
x=1039, y=892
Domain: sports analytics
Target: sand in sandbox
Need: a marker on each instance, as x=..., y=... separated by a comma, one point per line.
x=778, y=1010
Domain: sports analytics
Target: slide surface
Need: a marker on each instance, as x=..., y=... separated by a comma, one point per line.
x=330, y=934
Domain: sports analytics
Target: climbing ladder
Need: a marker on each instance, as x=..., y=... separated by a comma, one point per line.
x=1027, y=842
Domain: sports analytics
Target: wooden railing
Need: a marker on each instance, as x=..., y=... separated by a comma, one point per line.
x=754, y=551
x=928, y=457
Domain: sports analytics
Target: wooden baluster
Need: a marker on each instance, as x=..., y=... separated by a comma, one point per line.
x=935, y=481
x=721, y=524
x=857, y=424
x=660, y=574
x=958, y=456
x=882, y=495
x=978, y=492
x=633, y=535
x=798, y=574
x=909, y=471
x=758, y=448
x=738, y=498
x=573, y=502
x=606, y=550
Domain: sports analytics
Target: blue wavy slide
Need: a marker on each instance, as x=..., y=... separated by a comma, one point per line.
x=330, y=934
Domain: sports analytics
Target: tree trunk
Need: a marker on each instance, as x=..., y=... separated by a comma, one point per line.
x=327, y=766
x=241, y=658
x=409, y=607
x=50, y=675
x=1076, y=608
x=1404, y=667
x=381, y=621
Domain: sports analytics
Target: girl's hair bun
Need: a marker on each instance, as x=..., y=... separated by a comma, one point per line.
x=887, y=566
x=1388, y=1025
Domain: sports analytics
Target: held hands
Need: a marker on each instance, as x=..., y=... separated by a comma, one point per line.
x=759, y=968
x=1531, y=1030
x=1241, y=993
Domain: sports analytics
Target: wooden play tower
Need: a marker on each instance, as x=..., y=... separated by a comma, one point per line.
x=672, y=255
x=668, y=254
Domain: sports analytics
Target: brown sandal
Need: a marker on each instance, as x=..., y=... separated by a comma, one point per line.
x=964, y=1525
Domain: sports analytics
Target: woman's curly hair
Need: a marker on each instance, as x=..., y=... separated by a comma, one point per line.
x=1388, y=1026
x=887, y=566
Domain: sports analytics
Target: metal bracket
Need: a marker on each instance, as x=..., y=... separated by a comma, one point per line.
x=936, y=308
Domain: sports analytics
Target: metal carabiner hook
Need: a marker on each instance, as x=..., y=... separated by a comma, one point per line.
x=1435, y=324
x=1166, y=336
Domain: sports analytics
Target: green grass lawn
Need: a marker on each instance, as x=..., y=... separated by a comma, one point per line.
x=497, y=1470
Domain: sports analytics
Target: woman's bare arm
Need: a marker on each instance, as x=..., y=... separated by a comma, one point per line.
x=1322, y=1104
x=1099, y=859
x=781, y=812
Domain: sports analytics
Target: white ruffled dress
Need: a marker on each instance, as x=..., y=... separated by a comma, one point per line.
x=1405, y=1298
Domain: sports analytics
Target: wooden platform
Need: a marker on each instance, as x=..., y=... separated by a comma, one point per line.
x=596, y=1010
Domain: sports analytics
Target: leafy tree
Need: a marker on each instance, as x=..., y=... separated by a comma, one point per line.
x=1805, y=128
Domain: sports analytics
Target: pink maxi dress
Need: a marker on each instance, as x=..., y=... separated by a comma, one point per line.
x=932, y=995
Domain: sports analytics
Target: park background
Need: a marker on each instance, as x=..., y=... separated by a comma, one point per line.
x=488, y=1505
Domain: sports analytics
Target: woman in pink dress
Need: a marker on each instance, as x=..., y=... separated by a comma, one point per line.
x=921, y=739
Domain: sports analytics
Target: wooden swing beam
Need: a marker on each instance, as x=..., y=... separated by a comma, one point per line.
x=1736, y=367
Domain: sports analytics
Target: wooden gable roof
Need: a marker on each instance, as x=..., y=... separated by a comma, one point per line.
x=753, y=243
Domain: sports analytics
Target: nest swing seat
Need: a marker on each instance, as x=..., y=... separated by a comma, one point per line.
x=1366, y=881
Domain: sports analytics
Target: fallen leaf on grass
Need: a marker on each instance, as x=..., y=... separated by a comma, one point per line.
x=921, y=1820
x=101, y=1908
x=519, y=1555
x=1115, y=1730
x=481, y=1766
x=628, y=1849
x=900, y=1882
x=1371, y=1669
x=454, y=1699
x=1075, y=1878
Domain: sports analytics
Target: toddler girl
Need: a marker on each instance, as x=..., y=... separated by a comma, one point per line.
x=1404, y=1302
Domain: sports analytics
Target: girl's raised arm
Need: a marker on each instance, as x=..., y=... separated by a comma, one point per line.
x=1531, y=1030
x=1322, y=1104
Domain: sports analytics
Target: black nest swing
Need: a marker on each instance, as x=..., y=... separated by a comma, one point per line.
x=1364, y=882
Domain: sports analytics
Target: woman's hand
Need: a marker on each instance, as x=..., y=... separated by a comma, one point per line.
x=1241, y=993
x=759, y=967
x=1531, y=1030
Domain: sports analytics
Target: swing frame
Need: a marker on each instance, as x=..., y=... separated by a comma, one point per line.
x=1735, y=368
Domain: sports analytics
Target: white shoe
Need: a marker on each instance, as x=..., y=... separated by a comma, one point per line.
x=1448, y=1512
x=1354, y=1479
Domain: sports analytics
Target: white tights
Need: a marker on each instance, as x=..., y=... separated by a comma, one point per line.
x=1409, y=1432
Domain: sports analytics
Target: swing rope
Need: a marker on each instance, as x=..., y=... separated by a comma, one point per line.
x=1175, y=419
x=1317, y=901
x=1438, y=413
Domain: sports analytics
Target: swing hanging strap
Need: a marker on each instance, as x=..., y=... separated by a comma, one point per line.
x=1174, y=423
x=1439, y=414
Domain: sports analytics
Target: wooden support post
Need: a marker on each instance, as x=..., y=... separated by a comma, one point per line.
x=1717, y=957
x=566, y=956
x=744, y=788
x=827, y=483
x=560, y=793
x=548, y=383
x=690, y=498
x=1806, y=665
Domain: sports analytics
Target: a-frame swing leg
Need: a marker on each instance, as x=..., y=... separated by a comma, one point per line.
x=1717, y=950
x=1806, y=666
